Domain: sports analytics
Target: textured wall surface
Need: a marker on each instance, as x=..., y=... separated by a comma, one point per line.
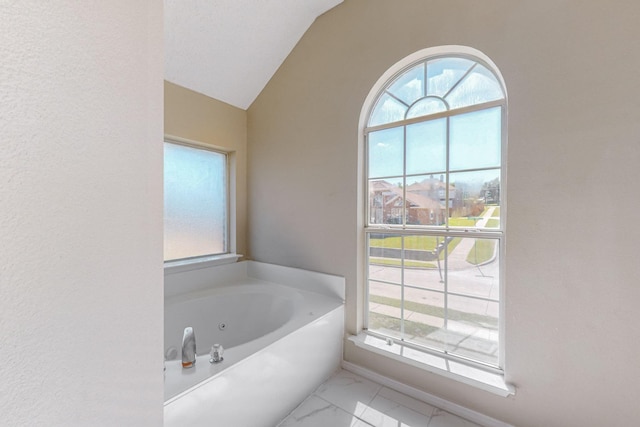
x=81, y=213
x=571, y=260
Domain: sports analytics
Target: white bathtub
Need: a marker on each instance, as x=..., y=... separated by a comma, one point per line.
x=281, y=341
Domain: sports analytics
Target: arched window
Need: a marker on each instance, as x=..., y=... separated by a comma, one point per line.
x=435, y=147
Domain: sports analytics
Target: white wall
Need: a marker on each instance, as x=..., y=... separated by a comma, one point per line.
x=572, y=260
x=81, y=213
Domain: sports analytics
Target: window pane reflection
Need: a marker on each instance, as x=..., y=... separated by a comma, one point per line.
x=425, y=318
x=476, y=139
x=443, y=74
x=387, y=110
x=426, y=199
x=386, y=201
x=474, y=268
x=386, y=153
x=425, y=107
x=385, y=312
x=474, y=197
x=473, y=328
x=409, y=87
x=385, y=257
x=427, y=147
x=477, y=87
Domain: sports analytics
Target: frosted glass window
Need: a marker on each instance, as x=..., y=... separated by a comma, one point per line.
x=195, y=202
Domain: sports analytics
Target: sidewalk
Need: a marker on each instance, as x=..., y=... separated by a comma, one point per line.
x=461, y=337
x=457, y=258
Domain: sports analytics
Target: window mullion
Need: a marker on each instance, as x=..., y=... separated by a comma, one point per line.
x=402, y=255
x=460, y=80
x=446, y=294
x=447, y=339
x=367, y=205
x=447, y=183
x=367, y=279
x=426, y=76
x=396, y=98
x=424, y=231
x=435, y=116
x=405, y=212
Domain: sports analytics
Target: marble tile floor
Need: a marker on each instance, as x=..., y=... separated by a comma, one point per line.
x=349, y=400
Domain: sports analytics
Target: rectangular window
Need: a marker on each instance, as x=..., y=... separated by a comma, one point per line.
x=436, y=292
x=196, y=206
x=434, y=236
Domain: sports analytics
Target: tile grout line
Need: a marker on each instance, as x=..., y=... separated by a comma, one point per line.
x=437, y=402
x=429, y=416
x=380, y=388
x=337, y=407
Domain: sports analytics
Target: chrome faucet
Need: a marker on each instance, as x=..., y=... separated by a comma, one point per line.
x=216, y=354
x=188, y=348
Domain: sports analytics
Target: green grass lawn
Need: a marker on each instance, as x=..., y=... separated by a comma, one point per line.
x=484, y=321
x=482, y=251
x=462, y=221
x=496, y=212
x=493, y=223
x=396, y=262
x=379, y=321
x=425, y=243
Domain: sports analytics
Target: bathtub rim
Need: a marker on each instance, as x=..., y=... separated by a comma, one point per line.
x=206, y=277
x=243, y=288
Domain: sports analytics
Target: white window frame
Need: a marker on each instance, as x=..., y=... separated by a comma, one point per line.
x=472, y=372
x=229, y=255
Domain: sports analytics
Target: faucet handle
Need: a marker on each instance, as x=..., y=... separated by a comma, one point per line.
x=216, y=353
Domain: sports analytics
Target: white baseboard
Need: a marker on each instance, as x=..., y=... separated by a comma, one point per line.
x=423, y=396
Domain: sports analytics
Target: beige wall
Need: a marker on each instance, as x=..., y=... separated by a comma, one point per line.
x=572, y=260
x=193, y=116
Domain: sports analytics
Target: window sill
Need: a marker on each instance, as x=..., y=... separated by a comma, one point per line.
x=457, y=371
x=179, y=266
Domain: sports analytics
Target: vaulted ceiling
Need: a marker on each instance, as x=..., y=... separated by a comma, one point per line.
x=229, y=49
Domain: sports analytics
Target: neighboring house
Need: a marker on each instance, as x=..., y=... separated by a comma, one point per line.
x=425, y=202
